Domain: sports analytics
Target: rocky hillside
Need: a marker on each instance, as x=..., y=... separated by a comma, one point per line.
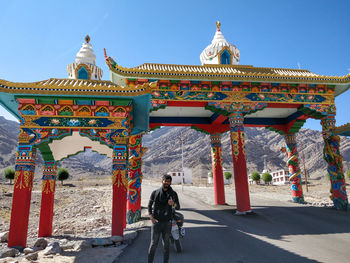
x=164, y=152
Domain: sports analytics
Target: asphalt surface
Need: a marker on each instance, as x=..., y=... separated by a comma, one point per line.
x=275, y=232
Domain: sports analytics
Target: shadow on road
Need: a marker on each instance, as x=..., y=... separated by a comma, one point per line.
x=226, y=237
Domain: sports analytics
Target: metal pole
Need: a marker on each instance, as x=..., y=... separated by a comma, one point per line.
x=182, y=162
x=307, y=188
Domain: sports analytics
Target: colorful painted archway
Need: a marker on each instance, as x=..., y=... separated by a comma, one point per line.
x=212, y=98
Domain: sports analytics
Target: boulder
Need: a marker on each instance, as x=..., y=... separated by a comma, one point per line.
x=8, y=252
x=28, y=250
x=82, y=244
x=32, y=256
x=4, y=236
x=8, y=260
x=41, y=243
x=67, y=245
x=52, y=249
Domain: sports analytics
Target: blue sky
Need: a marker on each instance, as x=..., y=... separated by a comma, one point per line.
x=40, y=38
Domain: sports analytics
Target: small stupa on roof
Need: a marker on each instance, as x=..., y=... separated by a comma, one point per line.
x=220, y=51
x=84, y=66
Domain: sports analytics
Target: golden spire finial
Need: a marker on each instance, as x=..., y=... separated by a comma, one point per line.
x=87, y=39
x=218, y=24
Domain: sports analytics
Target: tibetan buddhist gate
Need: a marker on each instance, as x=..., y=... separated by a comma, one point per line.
x=61, y=117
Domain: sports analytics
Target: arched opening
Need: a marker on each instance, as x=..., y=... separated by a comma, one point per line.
x=83, y=73
x=67, y=111
x=225, y=57
x=84, y=111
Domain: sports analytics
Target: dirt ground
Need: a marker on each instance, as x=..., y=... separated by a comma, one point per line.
x=83, y=208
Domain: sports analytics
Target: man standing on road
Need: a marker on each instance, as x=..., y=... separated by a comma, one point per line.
x=160, y=210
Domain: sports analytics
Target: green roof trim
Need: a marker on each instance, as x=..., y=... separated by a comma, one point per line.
x=256, y=83
x=120, y=102
x=216, y=110
x=45, y=100
x=46, y=151
x=163, y=106
x=310, y=112
x=275, y=130
x=199, y=129
x=294, y=129
x=154, y=128
x=297, y=126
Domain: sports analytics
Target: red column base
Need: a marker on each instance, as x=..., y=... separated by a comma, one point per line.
x=119, y=210
x=240, y=173
x=219, y=187
x=46, y=210
x=19, y=218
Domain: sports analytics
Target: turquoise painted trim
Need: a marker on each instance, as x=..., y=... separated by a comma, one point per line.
x=84, y=102
x=9, y=102
x=28, y=112
x=105, y=114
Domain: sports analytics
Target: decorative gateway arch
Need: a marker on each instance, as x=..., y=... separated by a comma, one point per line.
x=221, y=96
x=61, y=117
x=216, y=97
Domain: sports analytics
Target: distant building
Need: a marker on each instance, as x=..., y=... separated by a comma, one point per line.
x=210, y=178
x=177, y=176
x=279, y=177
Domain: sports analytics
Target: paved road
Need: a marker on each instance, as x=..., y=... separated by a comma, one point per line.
x=276, y=232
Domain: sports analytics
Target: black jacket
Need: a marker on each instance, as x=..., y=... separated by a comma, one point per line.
x=158, y=204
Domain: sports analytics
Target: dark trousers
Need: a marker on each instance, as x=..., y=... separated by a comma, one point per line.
x=157, y=229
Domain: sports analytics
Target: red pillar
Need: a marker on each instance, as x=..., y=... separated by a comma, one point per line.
x=239, y=163
x=47, y=199
x=22, y=191
x=135, y=179
x=294, y=169
x=120, y=186
x=216, y=161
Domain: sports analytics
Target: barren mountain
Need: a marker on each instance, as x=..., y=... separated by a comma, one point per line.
x=164, y=152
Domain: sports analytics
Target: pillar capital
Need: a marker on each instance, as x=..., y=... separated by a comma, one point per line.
x=236, y=121
x=119, y=168
x=215, y=139
x=234, y=107
x=49, y=177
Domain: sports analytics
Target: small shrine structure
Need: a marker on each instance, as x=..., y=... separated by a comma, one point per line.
x=60, y=117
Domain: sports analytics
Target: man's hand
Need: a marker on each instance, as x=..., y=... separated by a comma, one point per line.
x=171, y=201
x=153, y=219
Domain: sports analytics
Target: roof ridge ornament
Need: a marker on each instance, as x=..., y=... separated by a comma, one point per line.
x=218, y=24
x=220, y=51
x=85, y=66
x=87, y=38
